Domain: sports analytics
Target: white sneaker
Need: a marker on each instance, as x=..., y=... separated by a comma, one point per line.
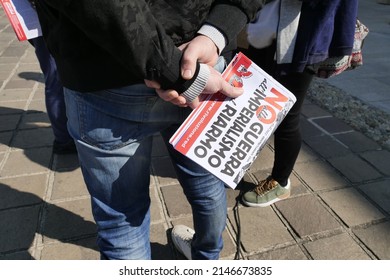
x=182, y=238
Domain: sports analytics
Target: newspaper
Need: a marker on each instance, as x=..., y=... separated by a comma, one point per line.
x=225, y=135
x=23, y=18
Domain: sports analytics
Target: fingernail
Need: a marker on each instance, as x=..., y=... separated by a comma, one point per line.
x=187, y=74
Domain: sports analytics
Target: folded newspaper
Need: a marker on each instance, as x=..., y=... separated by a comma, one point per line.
x=23, y=18
x=225, y=135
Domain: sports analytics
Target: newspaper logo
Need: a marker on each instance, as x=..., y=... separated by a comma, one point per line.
x=242, y=72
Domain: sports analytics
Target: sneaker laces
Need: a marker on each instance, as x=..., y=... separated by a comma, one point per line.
x=265, y=186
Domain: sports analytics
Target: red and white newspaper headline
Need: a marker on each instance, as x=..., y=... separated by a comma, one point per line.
x=225, y=135
x=23, y=18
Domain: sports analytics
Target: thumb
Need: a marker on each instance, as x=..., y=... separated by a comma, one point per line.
x=188, y=63
x=194, y=103
x=231, y=91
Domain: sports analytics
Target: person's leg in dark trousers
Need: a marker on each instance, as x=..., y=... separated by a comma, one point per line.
x=287, y=137
x=54, y=98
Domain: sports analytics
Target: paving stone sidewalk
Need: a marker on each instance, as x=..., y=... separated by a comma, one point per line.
x=339, y=208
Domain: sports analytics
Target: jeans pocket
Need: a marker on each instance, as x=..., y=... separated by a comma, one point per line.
x=105, y=131
x=107, y=120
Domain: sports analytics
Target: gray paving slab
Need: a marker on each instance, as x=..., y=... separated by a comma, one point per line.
x=84, y=249
x=320, y=175
x=327, y=146
x=352, y=208
x=19, y=84
x=307, y=216
x=12, y=107
x=332, y=125
x=339, y=247
x=379, y=192
x=289, y=253
x=65, y=162
x=163, y=171
x=355, y=169
x=15, y=94
x=68, y=184
x=175, y=201
x=307, y=154
x=20, y=162
x=18, y=228
x=377, y=238
x=309, y=130
x=310, y=110
x=157, y=212
x=379, y=159
x=37, y=106
x=34, y=138
x=22, y=191
x=261, y=229
x=233, y=197
x=9, y=122
x=67, y=220
x=264, y=160
x=21, y=255
x=357, y=142
x=34, y=120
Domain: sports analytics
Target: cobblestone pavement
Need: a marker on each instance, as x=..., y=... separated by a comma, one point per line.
x=339, y=208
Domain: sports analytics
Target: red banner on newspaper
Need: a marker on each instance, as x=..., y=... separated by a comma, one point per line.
x=23, y=18
x=225, y=135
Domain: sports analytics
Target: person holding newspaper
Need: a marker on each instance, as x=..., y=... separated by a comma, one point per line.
x=105, y=52
x=286, y=39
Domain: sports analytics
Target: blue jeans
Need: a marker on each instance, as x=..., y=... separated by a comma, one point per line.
x=113, y=131
x=54, y=92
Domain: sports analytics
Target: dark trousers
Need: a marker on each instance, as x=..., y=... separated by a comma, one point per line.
x=287, y=137
x=54, y=93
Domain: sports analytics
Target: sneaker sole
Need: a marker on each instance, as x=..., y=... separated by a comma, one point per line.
x=250, y=204
x=177, y=246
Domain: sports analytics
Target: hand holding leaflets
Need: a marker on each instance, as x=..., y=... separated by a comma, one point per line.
x=225, y=135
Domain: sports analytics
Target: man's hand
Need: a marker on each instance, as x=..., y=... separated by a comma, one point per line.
x=200, y=49
x=169, y=95
x=214, y=84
